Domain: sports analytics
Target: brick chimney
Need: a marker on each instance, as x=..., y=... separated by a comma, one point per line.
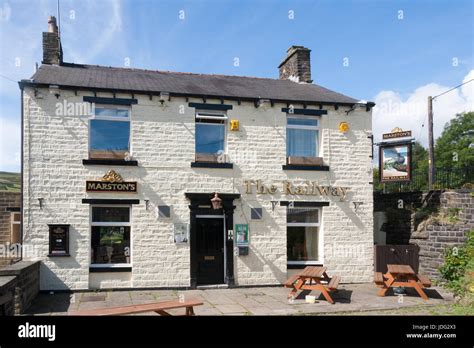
x=52, y=50
x=297, y=65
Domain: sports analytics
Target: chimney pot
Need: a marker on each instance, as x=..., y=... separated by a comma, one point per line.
x=52, y=26
x=297, y=65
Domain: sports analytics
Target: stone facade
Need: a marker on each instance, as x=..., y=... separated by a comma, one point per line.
x=162, y=141
x=435, y=236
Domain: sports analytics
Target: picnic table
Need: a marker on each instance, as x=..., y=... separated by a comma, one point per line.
x=313, y=278
x=401, y=276
x=157, y=307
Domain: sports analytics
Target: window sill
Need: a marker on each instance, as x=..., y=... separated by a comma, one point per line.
x=110, y=269
x=59, y=255
x=304, y=167
x=212, y=165
x=109, y=162
x=303, y=264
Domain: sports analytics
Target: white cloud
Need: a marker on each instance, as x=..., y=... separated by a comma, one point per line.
x=392, y=110
x=99, y=34
x=5, y=12
x=10, y=151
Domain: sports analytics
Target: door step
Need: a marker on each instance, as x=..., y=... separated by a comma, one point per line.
x=213, y=286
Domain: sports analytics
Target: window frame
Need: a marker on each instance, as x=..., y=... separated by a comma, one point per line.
x=316, y=128
x=212, y=115
x=320, y=236
x=110, y=118
x=127, y=224
x=13, y=222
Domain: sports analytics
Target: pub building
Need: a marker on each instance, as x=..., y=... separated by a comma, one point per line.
x=138, y=178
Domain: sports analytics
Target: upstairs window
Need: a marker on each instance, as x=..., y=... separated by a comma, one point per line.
x=109, y=135
x=302, y=136
x=210, y=135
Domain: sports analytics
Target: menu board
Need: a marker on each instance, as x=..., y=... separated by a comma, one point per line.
x=58, y=240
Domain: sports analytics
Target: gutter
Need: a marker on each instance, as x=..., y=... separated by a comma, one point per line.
x=30, y=83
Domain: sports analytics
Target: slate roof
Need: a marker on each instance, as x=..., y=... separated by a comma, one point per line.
x=149, y=81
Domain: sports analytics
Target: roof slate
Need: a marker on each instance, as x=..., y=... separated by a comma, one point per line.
x=149, y=81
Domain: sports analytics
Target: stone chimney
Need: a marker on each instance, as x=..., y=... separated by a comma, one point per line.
x=297, y=65
x=52, y=50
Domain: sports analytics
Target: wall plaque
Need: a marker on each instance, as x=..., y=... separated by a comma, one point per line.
x=242, y=234
x=111, y=182
x=58, y=240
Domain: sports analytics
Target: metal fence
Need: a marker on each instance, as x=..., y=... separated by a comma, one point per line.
x=445, y=178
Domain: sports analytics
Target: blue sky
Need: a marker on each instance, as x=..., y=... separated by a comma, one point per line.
x=398, y=51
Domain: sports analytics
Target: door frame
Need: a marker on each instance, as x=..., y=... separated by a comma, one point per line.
x=202, y=216
x=201, y=205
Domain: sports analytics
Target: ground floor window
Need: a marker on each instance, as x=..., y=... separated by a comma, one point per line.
x=110, y=235
x=303, y=235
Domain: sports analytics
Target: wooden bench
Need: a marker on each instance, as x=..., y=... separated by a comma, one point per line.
x=334, y=282
x=157, y=307
x=289, y=283
x=378, y=279
x=424, y=280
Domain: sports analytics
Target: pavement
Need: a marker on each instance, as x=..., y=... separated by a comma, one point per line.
x=358, y=298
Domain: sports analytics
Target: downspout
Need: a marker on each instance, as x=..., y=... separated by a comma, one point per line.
x=21, y=174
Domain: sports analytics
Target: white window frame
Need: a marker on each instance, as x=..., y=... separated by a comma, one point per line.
x=320, y=236
x=129, y=223
x=316, y=128
x=13, y=222
x=212, y=115
x=111, y=118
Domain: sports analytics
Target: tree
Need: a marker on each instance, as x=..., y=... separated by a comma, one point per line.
x=455, y=147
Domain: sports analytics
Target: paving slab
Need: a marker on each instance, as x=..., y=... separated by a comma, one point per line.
x=247, y=301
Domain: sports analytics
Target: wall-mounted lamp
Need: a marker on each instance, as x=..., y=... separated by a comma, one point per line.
x=264, y=104
x=164, y=96
x=40, y=201
x=54, y=89
x=147, y=203
x=216, y=202
x=357, y=205
x=274, y=203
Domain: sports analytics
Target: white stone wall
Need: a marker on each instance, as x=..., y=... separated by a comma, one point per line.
x=162, y=141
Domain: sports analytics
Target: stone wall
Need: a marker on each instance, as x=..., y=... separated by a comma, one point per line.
x=7, y=295
x=436, y=235
x=26, y=276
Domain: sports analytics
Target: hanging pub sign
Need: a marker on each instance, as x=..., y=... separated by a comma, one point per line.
x=396, y=133
x=58, y=240
x=111, y=182
x=395, y=162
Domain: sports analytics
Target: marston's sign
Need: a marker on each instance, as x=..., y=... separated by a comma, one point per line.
x=111, y=182
x=396, y=133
